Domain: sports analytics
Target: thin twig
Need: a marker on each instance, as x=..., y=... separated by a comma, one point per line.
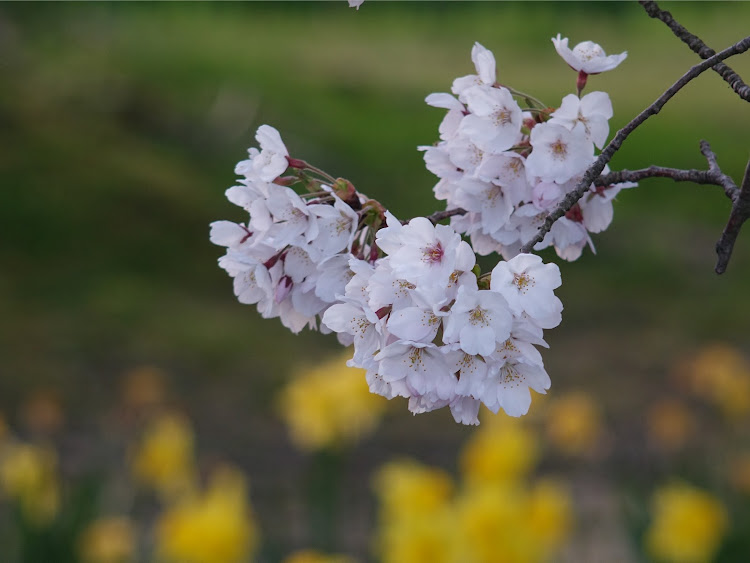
x=698, y=46
x=606, y=155
x=712, y=176
x=438, y=216
x=730, y=188
x=739, y=214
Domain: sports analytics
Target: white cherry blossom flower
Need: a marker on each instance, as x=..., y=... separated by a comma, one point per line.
x=421, y=366
x=268, y=163
x=588, y=57
x=507, y=170
x=449, y=126
x=464, y=154
x=484, y=62
x=361, y=323
x=465, y=410
x=334, y=275
x=427, y=252
x=558, y=154
x=489, y=201
x=438, y=161
x=509, y=384
x=336, y=225
x=495, y=118
x=591, y=113
x=356, y=3
x=415, y=323
x=231, y=235
x=478, y=320
x=528, y=285
x=472, y=371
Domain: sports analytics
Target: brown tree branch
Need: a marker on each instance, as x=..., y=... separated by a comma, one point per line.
x=438, y=216
x=730, y=188
x=739, y=214
x=698, y=46
x=614, y=145
x=713, y=176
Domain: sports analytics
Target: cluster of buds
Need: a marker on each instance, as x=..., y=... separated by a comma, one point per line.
x=425, y=323
x=509, y=166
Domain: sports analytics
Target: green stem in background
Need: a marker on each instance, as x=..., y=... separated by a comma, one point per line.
x=531, y=100
x=324, y=476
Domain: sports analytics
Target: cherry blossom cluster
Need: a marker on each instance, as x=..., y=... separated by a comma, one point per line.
x=425, y=327
x=508, y=166
x=425, y=323
x=291, y=258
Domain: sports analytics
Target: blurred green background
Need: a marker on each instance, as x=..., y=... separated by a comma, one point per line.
x=120, y=125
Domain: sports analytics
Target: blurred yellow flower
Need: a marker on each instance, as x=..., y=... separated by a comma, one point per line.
x=722, y=374
x=512, y=524
x=550, y=515
x=329, y=404
x=426, y=538
x=164, y=459
x=108, y=540
x=573, y=423
x=213, y=527
x=688, y=525
x=495, y=518
x=669, y=424
x=492, y=525
x=312, y=556
x=501, y=451
x=29, y=475
x=407, y=489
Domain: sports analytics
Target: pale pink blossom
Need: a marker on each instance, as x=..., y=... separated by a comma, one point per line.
x=587, y=56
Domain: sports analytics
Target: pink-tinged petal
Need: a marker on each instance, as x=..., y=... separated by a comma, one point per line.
x=605, y=63
x=597, y=103
x=413, y=323
x=226, y=233
x=465, y=410
x=597, y=213
x=567, y=112
x=561, y=46
x=445, y=101
x=484, y=62
x=269, y=138
x=477, y=340
x=283, y=288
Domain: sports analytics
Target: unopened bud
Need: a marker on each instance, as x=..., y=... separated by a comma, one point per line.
x=374, y=253
x=286, y=180
x=283, y=289
x=296, y=163
x=344, y=189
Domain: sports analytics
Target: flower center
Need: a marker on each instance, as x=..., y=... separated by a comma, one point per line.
x=559, y=149
x=502, y=117
x=415, y=357
x=587, y=52
x=523, y=282
x=479, y=316
x=511, y=376
x=433, y=254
